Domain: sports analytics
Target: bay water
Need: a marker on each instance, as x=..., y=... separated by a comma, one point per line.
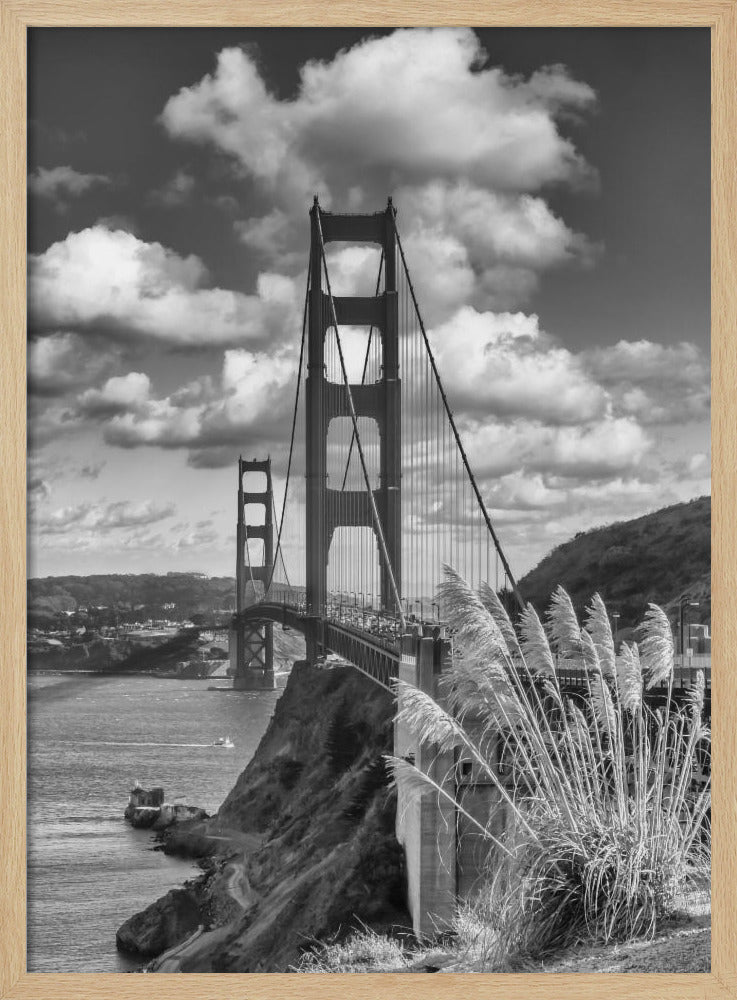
x=90, y=737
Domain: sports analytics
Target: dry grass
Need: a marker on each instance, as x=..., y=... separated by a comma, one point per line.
x=361, y=951
x=604, y=825
x=682, y=945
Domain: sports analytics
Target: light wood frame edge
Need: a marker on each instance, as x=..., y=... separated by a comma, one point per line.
x=15, y=18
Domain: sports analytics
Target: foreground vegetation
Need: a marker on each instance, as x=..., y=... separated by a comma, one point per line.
x=604, y=822
x=684, y=945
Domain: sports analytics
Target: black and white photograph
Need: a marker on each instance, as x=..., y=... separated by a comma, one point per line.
x=369, y=500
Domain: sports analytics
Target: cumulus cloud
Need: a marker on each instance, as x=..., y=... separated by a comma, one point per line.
x=102, y=516
x=86, y=540
x=100, y=279
x=51, y=422
x=693, y=467
x=560, y=438
x=195, y=538
x=464, y=147
x=38, y=489
x=595, y=451
x=656, y=383
x=139, y=539
x=252, y=403
x=698, y=464
x=600, y=449
x=62, y=362
x=59, y=184
x=269, y=234
x=590, y=505
x=47, y=470
x=488, y=248
x=87, y=528
x=118, y=221
x=120, y=394
x=502, y=364
x=226, y=203
x=517, y=491
x=176, y=191
x=524, y=403
x=219, y=456
x=446, y=113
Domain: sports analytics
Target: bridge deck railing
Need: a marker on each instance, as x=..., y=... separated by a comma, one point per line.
x=572, y=673
x=385, y=628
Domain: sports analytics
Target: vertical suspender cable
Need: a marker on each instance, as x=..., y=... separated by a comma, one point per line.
x=454, y=428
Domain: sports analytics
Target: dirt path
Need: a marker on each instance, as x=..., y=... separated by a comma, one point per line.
x=191, y=955
x=237, y=885
x=168, y=960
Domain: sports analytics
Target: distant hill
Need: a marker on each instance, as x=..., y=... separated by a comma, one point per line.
x=132, y=596
x=111, y=599
x=655, y=558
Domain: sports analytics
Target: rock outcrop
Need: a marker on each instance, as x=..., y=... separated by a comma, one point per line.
x=166, y=923
x=146, y=808
x=143, y=817
x=177, y=812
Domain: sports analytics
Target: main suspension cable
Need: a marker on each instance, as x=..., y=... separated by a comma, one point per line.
x=291, y=442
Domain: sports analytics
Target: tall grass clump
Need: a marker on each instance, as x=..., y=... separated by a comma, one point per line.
x=363, y=950
x=604, y=824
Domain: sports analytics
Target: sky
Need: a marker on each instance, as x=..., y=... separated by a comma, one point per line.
x=552, y=188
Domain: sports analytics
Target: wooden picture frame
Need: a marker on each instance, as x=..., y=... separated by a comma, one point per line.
x=720, y=16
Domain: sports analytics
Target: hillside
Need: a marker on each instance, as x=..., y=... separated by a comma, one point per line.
x=655, y=558
x=131, y=596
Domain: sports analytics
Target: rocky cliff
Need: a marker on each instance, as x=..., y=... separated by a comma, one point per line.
x=303, y=848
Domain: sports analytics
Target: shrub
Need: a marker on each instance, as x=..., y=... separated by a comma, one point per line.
x=289, y=772
x=604, y=823
x=345, y=741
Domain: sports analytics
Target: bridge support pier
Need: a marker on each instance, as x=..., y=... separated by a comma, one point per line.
x=251, y=650
x=426, y=824
x=446, y=858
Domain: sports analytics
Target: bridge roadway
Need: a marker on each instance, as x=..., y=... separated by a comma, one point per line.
x=371, y=641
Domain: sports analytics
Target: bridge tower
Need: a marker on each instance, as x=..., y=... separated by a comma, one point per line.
x=252, y=645
x=328, y=509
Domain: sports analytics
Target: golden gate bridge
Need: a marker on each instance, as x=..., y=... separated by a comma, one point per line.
x=379, y=494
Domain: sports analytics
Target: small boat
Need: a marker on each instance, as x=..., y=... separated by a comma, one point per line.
x=224, y=741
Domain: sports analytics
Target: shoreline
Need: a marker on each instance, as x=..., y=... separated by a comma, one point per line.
x=231, y=888
x=81, y=853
